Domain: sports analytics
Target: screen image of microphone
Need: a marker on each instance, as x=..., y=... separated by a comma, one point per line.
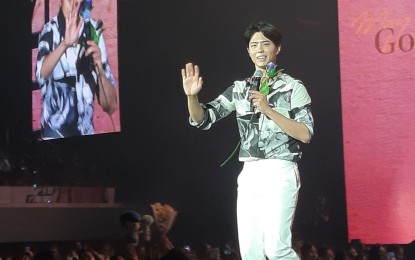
x=86, y=15
x=147, y=222
x=256, y=80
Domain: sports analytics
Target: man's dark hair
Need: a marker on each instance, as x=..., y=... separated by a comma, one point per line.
x=267, y=29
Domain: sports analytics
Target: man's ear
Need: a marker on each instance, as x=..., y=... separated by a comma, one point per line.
x=279, y=49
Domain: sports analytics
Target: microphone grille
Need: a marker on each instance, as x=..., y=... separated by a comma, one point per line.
x=258, y=74
x=86, y=15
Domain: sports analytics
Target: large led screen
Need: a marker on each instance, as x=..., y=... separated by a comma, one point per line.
x=377, y=50
x=61, y=105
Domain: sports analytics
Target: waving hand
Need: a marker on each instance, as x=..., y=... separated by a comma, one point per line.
x=192, y=82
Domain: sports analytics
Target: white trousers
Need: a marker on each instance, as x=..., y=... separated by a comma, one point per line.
x=267, y=198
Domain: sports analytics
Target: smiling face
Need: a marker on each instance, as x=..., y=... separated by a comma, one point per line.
x=262, y=50
x=70, y=7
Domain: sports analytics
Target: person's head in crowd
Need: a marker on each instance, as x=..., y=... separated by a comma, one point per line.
x=175, y=254
x=309, y=251
x=228, y=252
x=86, y=254
x=352, y=251
x=377, y=252
x=327, y=253
x=130, y=220
x=44, y=255
x=396, y=250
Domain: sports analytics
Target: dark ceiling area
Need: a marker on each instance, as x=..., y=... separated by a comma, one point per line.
x=158, y=156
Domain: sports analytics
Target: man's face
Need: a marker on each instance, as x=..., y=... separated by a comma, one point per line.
x=133, y=226
x=70, y=7
x=262, y=50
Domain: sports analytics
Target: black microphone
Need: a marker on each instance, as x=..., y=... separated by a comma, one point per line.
x=147, y=221
x=86, y=15
x=255, y=82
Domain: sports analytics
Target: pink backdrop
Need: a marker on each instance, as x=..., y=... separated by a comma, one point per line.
x=377, y=62
x=102, y=9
